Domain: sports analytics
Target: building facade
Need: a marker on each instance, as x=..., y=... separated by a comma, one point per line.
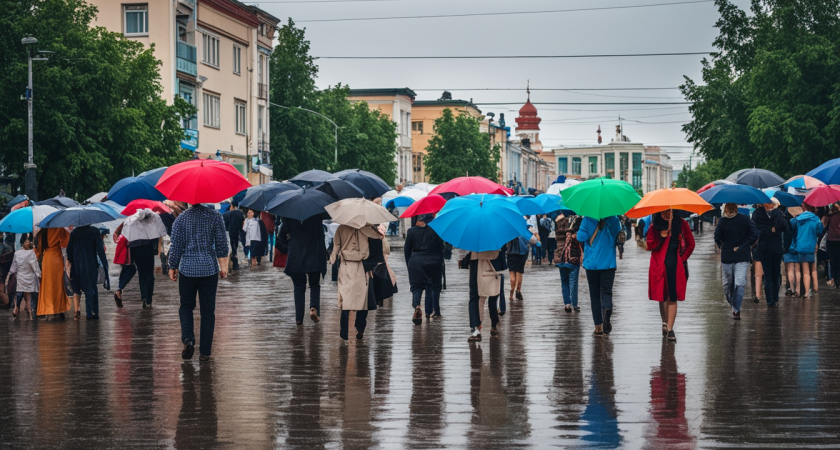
x=214, y=55
x=424, y=114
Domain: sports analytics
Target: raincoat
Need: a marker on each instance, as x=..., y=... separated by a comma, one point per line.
x=599, y=252
x=807, y=229
x=657, y=277
x=353, y=248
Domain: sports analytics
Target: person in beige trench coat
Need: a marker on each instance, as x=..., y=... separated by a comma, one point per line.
x=484, y=282
x=352, y=246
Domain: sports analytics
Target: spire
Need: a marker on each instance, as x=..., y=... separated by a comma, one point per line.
x=528, y=90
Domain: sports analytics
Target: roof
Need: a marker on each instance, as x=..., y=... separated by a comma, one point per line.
x=389, y=92
x=462, y=103
x=264, y=14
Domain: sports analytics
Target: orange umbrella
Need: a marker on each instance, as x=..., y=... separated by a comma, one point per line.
x=664, y=199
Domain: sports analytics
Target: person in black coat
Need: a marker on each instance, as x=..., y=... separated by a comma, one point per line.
x=772, y=226
x=735, y=234
x=83, y=249
x=424, y=258
x=307, y=259
x=233, y=223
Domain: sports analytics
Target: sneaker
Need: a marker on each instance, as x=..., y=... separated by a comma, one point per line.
x=187, y=353
x=772, y=305
x=298, y=322
x=519, y=295
x=599, y=331
x=360, y=335
x=671, y=336
x=118, y=299
x=313, y=314
x=203, y=357
x=576, y=308
x=494, y=331
x=756, y=300
x=736, y=315
x=607, y=324
x=418, y=316
x=475, y=337
x=568, y=309
x=501, y=313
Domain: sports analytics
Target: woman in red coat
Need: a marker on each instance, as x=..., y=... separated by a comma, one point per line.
x=671, y=244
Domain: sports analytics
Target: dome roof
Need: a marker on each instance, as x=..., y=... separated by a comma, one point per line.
x=528, y=118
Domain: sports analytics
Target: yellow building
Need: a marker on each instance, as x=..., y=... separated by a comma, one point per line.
x=215, y=55
x=424, y=114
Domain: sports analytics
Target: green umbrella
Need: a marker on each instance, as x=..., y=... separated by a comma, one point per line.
x=601, y=197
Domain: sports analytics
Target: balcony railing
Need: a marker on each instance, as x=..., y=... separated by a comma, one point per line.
x=186, y=58
x=262, y=91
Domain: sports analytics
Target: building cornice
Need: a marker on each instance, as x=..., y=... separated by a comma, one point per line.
x=234, y=10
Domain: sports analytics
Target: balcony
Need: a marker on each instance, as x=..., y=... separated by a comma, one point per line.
x=262, y=91
x=188, y=2
x=186, y=58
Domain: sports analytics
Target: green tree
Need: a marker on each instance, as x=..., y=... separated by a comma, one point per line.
x=459, y=148
x=770, y=95
x=98, y=111
x=701, y=175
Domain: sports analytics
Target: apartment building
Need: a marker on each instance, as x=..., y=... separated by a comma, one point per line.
x=215, y=55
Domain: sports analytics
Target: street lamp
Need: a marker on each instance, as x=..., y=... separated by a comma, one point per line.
x=322, y=116
x=31, y=183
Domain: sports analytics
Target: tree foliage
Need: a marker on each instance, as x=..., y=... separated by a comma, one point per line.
x=771, y=92
x=701, y=175
x=459, y=148
x=98, y=113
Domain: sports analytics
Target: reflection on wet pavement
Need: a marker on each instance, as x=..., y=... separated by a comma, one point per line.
x=770, y=380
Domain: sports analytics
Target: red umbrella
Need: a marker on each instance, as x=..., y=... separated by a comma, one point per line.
x=201, y=181
x=471, y=185
x=429, y=204
x=136, y=205
x=823, y=195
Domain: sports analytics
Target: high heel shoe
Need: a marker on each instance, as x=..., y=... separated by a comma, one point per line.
x=15, y=313
x=77, y=315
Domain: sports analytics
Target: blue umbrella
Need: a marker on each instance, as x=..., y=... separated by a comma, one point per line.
x=479, y=223
x=76, y=217
x=132, y=188
x=735, y=193
x=60, y=202
x=17, y=221
x=108, y=209
x=526, y=205
x=789, y=200
x=828, y=172
x=151, y=177
x=19, y=199
x=399, y=202
x=550, y=203
x=257, y=197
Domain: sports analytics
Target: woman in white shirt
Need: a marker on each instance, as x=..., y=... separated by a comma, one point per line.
x=253, y=237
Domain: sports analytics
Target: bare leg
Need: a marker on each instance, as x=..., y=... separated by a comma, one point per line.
x=814, y=278
x=26, y=301
x=663, y=312
x=759, y=273
x=672, y=314
x=512, y=284
x=806, y=278
x=797, y=276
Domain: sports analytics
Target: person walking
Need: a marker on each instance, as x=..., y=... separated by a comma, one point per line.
x=808, y=229
x=352, y=246
x=771, y=225
x=198, y=257
x=52, y=297
x=25, y=267
x=735, y=235
x=484, y=283
x=233, y=223
x=122, y=256
x=423, y=252
x=599, y=240
x=791, y=258
x=544, y=227
x=831, y=222
x=567, y=258
x=83, y=248
x=517, y=256
x=307, y=260
x=671, y=244
x=253, y=238
x=621, y=238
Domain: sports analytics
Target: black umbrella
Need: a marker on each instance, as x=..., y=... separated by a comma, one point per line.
x=369, y=183
x=258, y=196
x=341, y=189
x=299, y=204
x=312, y=178
x=19, y=199
x=60, y=202
x=76, y=217
x=757, y=178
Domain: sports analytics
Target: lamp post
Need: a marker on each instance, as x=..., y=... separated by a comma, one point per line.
x=31, y=182
x=322, y=116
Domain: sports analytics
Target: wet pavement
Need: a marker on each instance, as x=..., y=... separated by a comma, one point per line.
x=770, y=380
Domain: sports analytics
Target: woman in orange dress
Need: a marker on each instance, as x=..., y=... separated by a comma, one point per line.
x=52, y=298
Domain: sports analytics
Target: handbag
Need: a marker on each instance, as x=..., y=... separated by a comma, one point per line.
x=382, y=286
x=371, y=296
x=68, y=286
x=464, y=263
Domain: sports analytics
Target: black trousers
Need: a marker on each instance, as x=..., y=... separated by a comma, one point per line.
x=772, y=265
x=299, y=282
x=126, y=274
x=144, y=258
x=475, y=300
x=205, y=287
x=234, y=247
x=425, y=274
x=361, y=322
x=600, y=292
x=834, y=258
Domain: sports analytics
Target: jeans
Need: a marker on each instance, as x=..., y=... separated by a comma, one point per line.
x=205, y=287
x=734, y=281
x=550, y=246
x=299, y=282
x=126, y=274
x=143, y=257
x=569, y=278
x=772, y=265
x=600, y=292
x=361, y=322
x=834, y=258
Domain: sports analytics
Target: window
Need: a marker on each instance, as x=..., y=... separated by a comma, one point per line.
x=136, y=20
x=187, y=92
x=623, y=165
x=260, y=113
x=593, y=165
x=563, y=165
x=211, y=50
x=211, y=110
x=239, y=108
x=609, y=162
x=575, y=166
x=237, y=59
x=417, y=126
x=637, y=171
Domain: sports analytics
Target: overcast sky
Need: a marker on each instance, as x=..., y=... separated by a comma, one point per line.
x=662, y=29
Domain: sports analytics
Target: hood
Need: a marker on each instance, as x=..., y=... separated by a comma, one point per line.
x=807, y=216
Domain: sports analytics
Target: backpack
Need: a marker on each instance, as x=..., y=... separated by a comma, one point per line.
x=621, y=238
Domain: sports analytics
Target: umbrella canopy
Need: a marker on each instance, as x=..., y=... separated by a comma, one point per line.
x=525, y=205
x=312, y=178
x=60, y=202
x=115, y=214
x=550, y=203
x=828, y=172
x=368, y=182
x=151, y=177
x=25, y=220
x=823, y=195
x=97, y=198
x=340, y=189
x=557, y=188
x=299, y=204
x=428, y=187
x=406, y=198
x=201, y=181
x=479, y=224
x=600, y=198
x=671, y=198
x=470, y=185
x=803, y=182
x=76, y=217
x=257, y=197
x=139, y=204
x=18, y=199
x=358, y=212
x=789, y=200
x=132, y=188
x=713, y=184
x=143, y=225
x=757, y=178
x=735, y=193
x=430, y=204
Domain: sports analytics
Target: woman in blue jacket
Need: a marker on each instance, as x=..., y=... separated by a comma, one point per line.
x=808, y=228
x=598, y=239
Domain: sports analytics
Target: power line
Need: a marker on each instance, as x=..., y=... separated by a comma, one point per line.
x=551, y=89
x=625, y=55
x=509, y=13
x=599, y=103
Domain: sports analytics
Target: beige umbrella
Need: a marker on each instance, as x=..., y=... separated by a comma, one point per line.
x=358, y=212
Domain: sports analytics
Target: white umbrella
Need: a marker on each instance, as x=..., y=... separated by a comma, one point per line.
x=38, y=214
x=97, y=198
x=143, y=225
x=427, y=187
x=556, y=188
x=413, y=193
x=358, y=212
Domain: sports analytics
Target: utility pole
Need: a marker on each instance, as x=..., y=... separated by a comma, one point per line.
x=30, y=180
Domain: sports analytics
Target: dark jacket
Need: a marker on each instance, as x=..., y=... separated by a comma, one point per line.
x=233, y=221
x=423, y=242
x=83, y=249
x=307, y=251
x=738, y=232
x=769, y=241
